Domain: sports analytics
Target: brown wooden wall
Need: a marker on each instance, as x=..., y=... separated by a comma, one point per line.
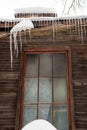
x=79, y=77
x=10, y=83
x=8, y=89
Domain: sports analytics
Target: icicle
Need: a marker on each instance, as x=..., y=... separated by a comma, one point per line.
x=11, y=24
x=67, y=25
x=25, y=36
x=41, y=23
x=70, y=27
x=82, y=37
x=15, y=44
x=8, y=25
x=57, y=24
x=47, y=23
x=53, y=28
x=20, y=41
x=78, y=27
x=30, y=34
x=44, y=23
x=5, y=25
x=14, y=23
x=11, y=54
x=84, y=23
x=75, y=26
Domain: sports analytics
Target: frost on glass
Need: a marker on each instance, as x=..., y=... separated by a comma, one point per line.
x=30, y=91
x=29, y=114
x=59, y=65
x=61, y=118
x=31, y=65
x=45, y=112
x=60, y=90
x=45, y=90
x=45, y=65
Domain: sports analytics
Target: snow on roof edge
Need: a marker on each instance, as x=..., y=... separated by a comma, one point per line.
x=42, y=18
x=35, y=10
x=22, y=25
x=10, y=19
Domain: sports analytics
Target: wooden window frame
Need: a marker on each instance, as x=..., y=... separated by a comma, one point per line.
x=20, y=98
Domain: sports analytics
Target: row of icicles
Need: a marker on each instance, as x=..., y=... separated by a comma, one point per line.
x=80, y=23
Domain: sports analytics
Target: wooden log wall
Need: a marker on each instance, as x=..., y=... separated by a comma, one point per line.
x=10, y=83
x=79, y=77
x=9, y=80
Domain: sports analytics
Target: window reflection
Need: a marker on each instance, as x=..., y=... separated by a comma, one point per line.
x=61, y=117
x=45, y=65
x=31, y=65
x=29, y=114
x=45, y=90
x=60, y=91
x=45, y=112
x=30, y=91
x=59, y=65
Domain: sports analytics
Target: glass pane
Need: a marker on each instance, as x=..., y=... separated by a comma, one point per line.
x=30, y=92
x=45, y=65
x=29, y=114
x=61, y=118
x=59, y=65
x=45, y=90
x=31, y=65
x=60, y=90
x=45, y=112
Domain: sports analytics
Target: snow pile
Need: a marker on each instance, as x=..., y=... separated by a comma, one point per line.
x=39, y=124
x=22, y=26
x=34, y=10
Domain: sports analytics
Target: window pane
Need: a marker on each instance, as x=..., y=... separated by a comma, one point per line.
x=59, y=65
x=29, y=114
x=45, y=90
x=45, y=65
x=31, y=65
x=61, y=118
x=30, y=92
x=45, y=112
x=60, y=90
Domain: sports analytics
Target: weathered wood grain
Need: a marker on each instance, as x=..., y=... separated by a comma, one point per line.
x=10, y=79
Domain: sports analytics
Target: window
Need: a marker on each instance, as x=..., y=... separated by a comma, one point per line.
x=46, y=88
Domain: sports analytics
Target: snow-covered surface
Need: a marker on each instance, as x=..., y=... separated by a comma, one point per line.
x=39, y=125
x=23, y=25
x=35, y=10
x=42, y=18
x=10, y=20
